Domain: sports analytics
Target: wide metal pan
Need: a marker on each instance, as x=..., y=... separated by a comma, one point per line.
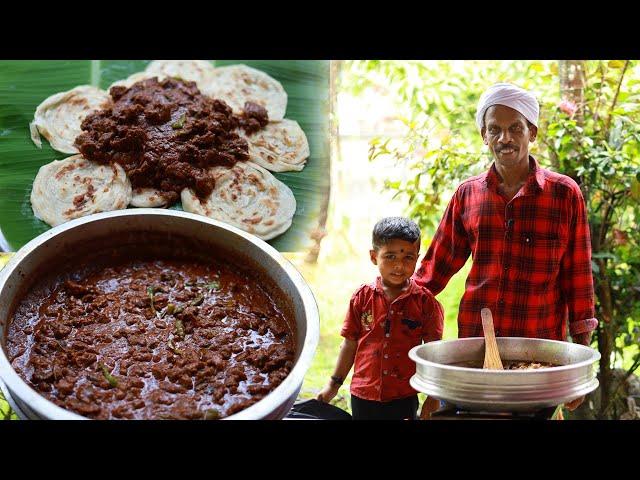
x=475, y=389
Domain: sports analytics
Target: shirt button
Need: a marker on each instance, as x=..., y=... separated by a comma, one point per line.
x=501, y=302
x=385, y=372
x=527, y=239
x=386, y=356
x=387, y=335
x=506, y=267
x=391, y=311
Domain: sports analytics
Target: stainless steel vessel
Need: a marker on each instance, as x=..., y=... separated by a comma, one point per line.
x=66, y=242
x=476, y=389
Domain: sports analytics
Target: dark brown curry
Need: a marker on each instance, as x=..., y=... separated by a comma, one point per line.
x=166, y=135
x=152, y=339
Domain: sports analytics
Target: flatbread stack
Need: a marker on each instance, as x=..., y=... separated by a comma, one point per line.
x=246, y=195
x=199, y=71
x=148, y=198
x=75, y=187
x=237, y=84
x=59, y=117
x=279, y=147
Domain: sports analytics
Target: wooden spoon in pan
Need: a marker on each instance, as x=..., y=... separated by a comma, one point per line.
x=491, y=355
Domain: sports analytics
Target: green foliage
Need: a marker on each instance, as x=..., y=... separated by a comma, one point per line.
x=436, y=106
x=596, y=142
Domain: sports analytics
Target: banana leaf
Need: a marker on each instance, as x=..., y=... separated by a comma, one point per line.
x=25, y=84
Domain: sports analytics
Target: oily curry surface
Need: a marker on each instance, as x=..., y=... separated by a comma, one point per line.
x=152, y=339
x=509, y=364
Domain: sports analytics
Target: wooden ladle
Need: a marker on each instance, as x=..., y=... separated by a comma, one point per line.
x=491, y=354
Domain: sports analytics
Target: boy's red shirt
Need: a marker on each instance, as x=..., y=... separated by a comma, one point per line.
x=382, y=366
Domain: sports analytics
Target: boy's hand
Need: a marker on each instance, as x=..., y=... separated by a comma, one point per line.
x=328, y=392
x=429, y=406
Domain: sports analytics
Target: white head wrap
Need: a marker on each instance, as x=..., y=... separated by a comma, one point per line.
x=511, y=96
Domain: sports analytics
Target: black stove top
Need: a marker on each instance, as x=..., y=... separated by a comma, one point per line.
x=454, y=413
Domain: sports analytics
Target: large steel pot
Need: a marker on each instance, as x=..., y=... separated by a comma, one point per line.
x=63, y=244
x=475, y=389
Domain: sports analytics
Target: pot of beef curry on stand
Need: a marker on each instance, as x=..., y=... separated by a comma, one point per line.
x=153, y=314
x=537, y=373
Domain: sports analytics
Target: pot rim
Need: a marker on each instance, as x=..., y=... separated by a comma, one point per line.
x=594, y=357
x=289, y=387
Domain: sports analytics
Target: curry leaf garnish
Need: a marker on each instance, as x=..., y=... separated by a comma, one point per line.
x=198, y=300
x=179, y=328
x=180, y=122
x=150, y=292
x=113, y=381
x=173, y=348
x=214, y=285
x=211, y=414
x=171, y=308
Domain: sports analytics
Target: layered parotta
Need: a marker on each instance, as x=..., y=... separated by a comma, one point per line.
x=248, y=197
x=237, y=84
x=75, y=187
x=148, y=197
x=133, y=78
x=198, y=71
x=279, y=147
x=59, y=117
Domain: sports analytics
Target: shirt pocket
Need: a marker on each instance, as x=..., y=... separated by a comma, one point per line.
x=542, y=257
x=409, y=335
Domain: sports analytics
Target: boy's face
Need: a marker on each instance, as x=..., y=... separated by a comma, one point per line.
x=396, y=261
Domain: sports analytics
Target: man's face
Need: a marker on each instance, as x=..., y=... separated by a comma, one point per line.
x=507, y=133
x=396, y=261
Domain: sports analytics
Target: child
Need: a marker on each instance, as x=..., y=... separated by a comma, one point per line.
x=386, y=318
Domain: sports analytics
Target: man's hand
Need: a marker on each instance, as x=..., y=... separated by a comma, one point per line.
x=572, y=405
x=328, y=392
x=429, y=406
x=582, y=338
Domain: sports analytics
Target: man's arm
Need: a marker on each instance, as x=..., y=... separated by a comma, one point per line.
x=343, y=367
x=576, y=279
x=448, y=251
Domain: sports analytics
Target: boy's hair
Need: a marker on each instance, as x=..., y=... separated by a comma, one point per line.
x=392, y=228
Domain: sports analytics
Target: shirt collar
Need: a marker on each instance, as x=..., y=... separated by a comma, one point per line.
x=413, y=287
x=535, y=180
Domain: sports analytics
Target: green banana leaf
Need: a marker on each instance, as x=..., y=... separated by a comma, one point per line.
x=25, y=84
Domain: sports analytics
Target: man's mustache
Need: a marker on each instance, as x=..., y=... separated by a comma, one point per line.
x=505, y=147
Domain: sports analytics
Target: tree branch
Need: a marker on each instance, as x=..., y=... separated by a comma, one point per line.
x=615, y=99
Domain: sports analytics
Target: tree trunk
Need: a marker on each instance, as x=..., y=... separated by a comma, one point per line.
x=605, y=338
x=572, y=84
x=321, y=230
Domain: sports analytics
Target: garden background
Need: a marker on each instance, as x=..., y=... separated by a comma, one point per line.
x=404, y=137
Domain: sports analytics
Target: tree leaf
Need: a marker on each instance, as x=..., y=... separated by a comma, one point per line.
x=615, y=64
x=635, y=188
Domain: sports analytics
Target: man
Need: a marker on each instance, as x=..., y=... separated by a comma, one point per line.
x=526, y=228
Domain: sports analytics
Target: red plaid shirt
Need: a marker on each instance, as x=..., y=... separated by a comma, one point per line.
x=382, y=366
x=531, y=256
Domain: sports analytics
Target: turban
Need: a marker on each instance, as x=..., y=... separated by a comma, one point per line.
x=511, y=96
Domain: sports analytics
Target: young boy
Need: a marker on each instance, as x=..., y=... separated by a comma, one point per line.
x=386, y=318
